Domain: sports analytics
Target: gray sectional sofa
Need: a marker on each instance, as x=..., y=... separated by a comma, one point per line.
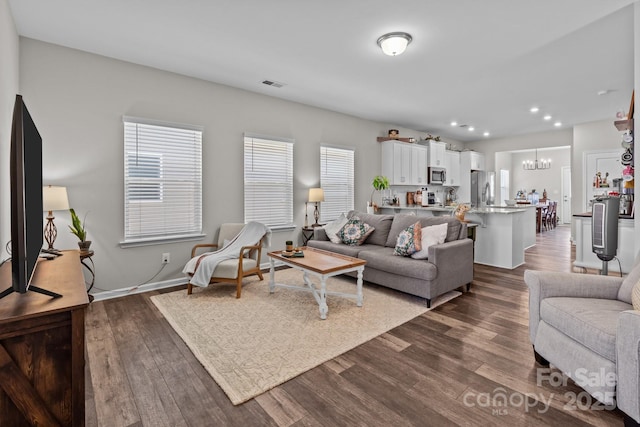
x=449, y=265
x=586, y=326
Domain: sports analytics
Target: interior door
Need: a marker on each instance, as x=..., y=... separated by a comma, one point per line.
x=565, y=213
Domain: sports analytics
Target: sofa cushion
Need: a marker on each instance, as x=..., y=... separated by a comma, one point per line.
x=409, y=240
x=431, y=235
x=352, y=251
x=589, y=321
x=333, y=228
x=381, y=258
x=381, y=223
x=624, y=294
x=355, y=232
x=402, y=221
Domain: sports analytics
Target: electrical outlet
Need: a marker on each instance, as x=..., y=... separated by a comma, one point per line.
x=166, y=258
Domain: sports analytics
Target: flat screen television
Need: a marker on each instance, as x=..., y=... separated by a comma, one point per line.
x=26, y=201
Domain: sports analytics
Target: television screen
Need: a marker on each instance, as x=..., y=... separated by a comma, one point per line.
x=26, y=200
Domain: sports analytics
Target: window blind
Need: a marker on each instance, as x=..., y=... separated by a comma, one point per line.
x=162, y=180
x=268, y=181
x=336, y=179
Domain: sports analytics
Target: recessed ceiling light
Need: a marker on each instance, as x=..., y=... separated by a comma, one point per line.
x=557, y=124
x=547, y=117
x=471, y=128
x=454, y=123
x=534, y=109
x=603, y=92
x=486, y=134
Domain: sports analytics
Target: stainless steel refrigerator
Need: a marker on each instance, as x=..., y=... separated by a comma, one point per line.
x=483, y=189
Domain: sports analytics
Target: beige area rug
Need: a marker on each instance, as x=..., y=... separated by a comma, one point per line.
x=252, y=344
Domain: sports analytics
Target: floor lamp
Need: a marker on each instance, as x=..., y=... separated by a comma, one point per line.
x=53, y=199
x=316, y=195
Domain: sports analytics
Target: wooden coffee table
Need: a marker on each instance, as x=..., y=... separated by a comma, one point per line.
x=322, y=264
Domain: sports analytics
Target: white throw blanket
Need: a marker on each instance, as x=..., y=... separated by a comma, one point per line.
x=203, y=270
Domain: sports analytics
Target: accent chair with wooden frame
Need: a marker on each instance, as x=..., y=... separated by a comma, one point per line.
x=232, y=270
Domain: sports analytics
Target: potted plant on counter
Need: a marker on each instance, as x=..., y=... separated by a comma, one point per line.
x=379, y=183
x=77, y=228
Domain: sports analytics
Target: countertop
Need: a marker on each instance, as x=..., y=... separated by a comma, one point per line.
x=588, y=215
x=481, y=211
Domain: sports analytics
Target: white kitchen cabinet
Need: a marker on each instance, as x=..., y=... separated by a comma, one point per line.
x=437, y=152
x=419, y=155
x=472, y=161
x=452, y=164
x=404, y=163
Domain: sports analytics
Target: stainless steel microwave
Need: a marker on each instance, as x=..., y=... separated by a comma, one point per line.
x=436, y=175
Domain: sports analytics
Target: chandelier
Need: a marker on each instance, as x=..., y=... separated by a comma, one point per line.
x=531, y=165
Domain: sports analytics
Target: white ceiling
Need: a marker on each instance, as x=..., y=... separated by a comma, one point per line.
x=481, y=63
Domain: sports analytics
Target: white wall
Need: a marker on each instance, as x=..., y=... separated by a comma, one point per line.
x=77, y=100
x=549, y=179
x=9, y=83
x=594, y=136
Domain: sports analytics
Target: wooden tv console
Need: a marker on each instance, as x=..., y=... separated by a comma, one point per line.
x=42, y=346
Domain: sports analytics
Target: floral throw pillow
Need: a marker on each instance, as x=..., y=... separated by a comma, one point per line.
x=355, y=232
x=409, y=240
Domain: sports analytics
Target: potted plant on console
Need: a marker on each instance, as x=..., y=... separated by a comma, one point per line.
x=379, y=183
x=77, y=227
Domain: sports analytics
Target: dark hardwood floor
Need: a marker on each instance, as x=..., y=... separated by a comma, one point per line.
x=467, y=362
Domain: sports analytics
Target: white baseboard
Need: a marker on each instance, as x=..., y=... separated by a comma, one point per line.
x=117, y=293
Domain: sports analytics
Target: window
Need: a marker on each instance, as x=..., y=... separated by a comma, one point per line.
x=268, y=181
x=336, y=179
x=162, y=181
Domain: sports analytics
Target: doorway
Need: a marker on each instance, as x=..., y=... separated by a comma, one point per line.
x=566, y=194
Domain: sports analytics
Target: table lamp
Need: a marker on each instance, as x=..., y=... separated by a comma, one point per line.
x=316, y=195
x=53, y=199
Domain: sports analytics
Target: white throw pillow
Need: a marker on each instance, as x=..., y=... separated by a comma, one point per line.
x=332, y=228
x=432, y=235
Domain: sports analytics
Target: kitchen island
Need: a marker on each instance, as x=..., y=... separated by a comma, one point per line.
x=502, y=234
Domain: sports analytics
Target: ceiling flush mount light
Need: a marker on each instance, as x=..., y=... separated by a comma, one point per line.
x=393, y=44
x=530, y=165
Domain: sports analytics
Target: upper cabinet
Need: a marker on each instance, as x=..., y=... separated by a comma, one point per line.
x=472, y=160
x=437, y=152
x=404, y=163
x=452, y=164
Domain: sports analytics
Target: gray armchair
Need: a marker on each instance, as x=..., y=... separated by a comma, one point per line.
x=585, y=326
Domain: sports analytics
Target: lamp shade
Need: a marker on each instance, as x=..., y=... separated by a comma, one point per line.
x=316, y=195
x=54, y=198
x=393, y=44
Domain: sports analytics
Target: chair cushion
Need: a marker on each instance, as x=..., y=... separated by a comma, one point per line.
x=590, y=321
x=228, y=268
x=624, y=294
x=635, y=296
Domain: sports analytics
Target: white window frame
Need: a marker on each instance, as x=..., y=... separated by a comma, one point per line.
x=268, y=180
x=337, y=168
x=163, y=203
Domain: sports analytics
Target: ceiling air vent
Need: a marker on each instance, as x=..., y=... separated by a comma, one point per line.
x=272, y=83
